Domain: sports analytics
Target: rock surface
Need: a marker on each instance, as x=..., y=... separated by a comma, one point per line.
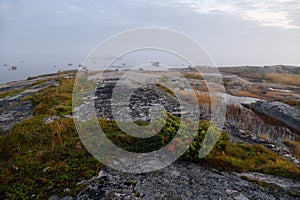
x=280, y=111
x=13, y=110
x=145, y=103
x=235, y=82
x=14, y=114
x=181, y=180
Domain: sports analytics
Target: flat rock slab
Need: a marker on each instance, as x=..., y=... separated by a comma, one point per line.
x=181, y=180
x=280, y=111
x=13, y=110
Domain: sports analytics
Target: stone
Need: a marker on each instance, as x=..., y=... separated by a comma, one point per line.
x=49, y=120
x=280, y=111
x=194, y=182
x=13, y=109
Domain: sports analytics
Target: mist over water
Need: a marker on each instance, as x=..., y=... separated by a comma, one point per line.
x=23, y=72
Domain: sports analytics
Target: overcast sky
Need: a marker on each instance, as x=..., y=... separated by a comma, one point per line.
x=37, y=35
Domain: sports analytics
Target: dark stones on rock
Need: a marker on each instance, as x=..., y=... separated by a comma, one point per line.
x=140, y=102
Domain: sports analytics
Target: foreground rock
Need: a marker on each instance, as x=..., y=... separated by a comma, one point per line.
x=181, y=180
x=279, y=111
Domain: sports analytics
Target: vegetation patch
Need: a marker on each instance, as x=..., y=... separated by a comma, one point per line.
x=39, y=160
x=195, y=75
x=54, y=100
x=294, y=103
x=16, y=91
x=294, y=146
x=290, y=79
x=250, y=158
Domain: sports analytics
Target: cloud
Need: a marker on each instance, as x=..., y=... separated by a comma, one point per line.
x=266, y=13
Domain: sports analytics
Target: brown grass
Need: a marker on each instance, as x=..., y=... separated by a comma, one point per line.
x=294, y=146
x=206, y=99
x=265, y=136
x=246, y=94
x=291, y=79
x=295, y=103
x=54, y=100
x=192, y=76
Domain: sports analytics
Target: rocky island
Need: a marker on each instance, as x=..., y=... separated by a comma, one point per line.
x=256, y=156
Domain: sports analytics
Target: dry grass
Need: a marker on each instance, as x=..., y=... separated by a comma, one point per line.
x=291, y=79
x=265, y=136
x=189, y=75
x=294, y=146
x=207, y=100
x=54, y=100
x=294, y=103
x=246, y=94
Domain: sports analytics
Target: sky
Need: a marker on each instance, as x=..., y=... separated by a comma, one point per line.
x=36, y=35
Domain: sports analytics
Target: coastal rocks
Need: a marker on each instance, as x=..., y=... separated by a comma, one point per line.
x=15, y=85
x=279, y=111
x=235, y=82
x=242, y=137
x=244, y=118
x=13, y=99
x=15, y=114
x=14, y=110
x=142, y=105
x=180, y=180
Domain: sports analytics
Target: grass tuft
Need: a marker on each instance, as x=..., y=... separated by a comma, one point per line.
x=290, y=79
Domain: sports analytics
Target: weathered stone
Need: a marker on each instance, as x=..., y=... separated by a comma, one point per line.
x=279, y=111
x=13, y=110
x=15, y=114
x=194, y=182
x=49, y=120
x=235, y=82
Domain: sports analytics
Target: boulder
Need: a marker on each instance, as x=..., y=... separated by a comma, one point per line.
x=287, y=114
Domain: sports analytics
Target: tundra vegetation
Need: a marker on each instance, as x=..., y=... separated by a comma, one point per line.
x=39, y=160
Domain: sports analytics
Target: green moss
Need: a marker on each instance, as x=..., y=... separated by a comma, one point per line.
x=247, y=158
x=54, y=100
x=37, y=158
